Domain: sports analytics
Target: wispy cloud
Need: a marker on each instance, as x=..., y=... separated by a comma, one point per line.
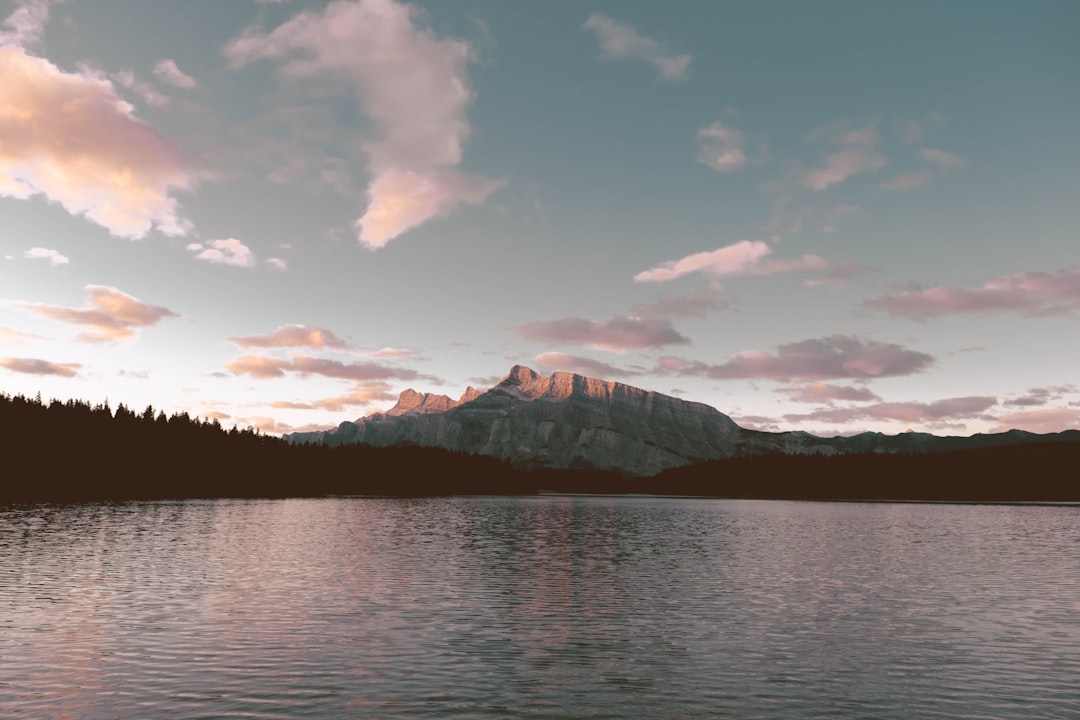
x=1030, y=293
x=857, y=152
x=167, y=71
x=262, y=366
x=109, y=314
x=292, y=336
x=39, y=253
x=909, y=181
x=277, y=264
x=26, y=24
x=943, y=162
x=10, y=336
x=747, y=257
x=1041, y=396
x=958, y=408
x=721, y=147
x=582, y=365
x=827, y=358
x=619, y=334
x=362, y=394
x=36, y=366
x=145, y=91
x=229, y=251
x=1046, y=420
x=622, y=42
x=823, y=392
x=411, y=84
x=93, y=156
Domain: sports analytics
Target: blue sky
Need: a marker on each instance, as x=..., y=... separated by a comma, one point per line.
x=829, y=216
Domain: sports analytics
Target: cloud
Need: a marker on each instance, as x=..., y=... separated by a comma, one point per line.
x=9, y=336
x=412, y=86
x=909, y=181
x=290, y=336
x=359, y=395
x=728, y=260
x=856, y=152
x=363, y=394
x=581, y=365
x=399, y=200
x=721, y=148
x=944, y=160
x=167, y=71
x=109, y=314
x=621, y=42
x=827, y=358
x=958, y=408
x=621, y=333
x=823, y=392
x=54, y=257
x=35, y=366
x=145, y=91
x=224, y=252
x=27, y=23
x=697, y=303
x=747, y=257
x=277, y=264
x=1047, y=420
x=1030, y=293
x=1041, y=396
x=261, y=366
x=71, y=138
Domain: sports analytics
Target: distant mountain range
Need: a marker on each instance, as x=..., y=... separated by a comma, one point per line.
x=571, y=421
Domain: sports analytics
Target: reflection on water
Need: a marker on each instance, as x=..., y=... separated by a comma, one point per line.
x=549, y=607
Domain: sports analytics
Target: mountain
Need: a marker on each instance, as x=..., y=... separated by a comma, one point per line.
x=572, y=421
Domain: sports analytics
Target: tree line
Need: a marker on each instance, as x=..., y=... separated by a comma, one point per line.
x=73, y=451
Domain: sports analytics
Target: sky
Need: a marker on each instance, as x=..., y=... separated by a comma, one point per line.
x=833, y=217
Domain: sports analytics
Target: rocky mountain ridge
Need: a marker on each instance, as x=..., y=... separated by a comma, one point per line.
x=572, y=421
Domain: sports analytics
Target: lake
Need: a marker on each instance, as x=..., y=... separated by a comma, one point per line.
x=539, y=607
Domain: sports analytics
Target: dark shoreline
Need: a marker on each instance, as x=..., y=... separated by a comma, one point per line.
x=73, y=452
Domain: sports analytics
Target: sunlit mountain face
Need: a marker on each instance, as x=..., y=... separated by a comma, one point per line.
x=819, y=219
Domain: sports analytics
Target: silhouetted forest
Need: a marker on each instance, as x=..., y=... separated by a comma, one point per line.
x=73, y=451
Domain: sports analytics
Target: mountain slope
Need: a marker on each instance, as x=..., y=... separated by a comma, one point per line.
x=572, y=421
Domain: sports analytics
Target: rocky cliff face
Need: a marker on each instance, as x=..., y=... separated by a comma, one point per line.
x=567, y=421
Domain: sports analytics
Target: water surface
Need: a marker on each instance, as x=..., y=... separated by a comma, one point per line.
x=545, y=607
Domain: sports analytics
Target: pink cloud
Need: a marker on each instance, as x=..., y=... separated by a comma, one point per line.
x=621, y=333
x=733, y=259
x=958, y=408
x=167, y=71
x=581, y=365
x=289, y=336
x=36, y=366
x=76, y=142
x=747, y=257
x=399, y=200
x=721, y=148
x=412, y=85
x=909, y=181
x=857, y=152
x=1031, y=293
x=27, y=23
x=10, y=336
x=621, y=42
x=832, y=357
x=1046, y=420
x=261, y=366
x=823, y=392
x=944, y=160
x=109, y=314
x=54, y=257
x=229, y=251
x=697, y=303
